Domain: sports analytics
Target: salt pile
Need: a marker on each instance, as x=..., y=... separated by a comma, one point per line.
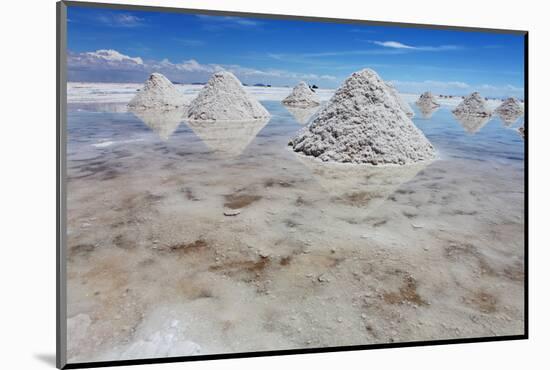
x=363, y=123
x=427, y=100
x=158, y=92
x=301, y=96
x=402, y=103
x=521, y=131
x=223, y=98
x=473, y=105
x=510, y=110
x=365, y=187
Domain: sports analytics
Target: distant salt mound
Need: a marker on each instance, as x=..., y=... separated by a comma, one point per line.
x=402, y=103
x=427, y=100
x=157, y=93
x=509, y=111
x=223, y=98
x=363, y=123
x=301, y=96
x=473, y=105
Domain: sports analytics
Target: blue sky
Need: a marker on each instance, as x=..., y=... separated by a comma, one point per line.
x=125, y=46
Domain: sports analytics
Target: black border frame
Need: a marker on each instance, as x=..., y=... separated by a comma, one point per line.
x=61, y=111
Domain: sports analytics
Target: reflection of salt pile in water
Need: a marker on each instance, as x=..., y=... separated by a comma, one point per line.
x=366, y=187
x=402, y=103
x=427, y=111
x=472, y=124
x=363, y=123
x=509, y=111
x=157, y=93
x=302, y=115
x=472, y=113
x=224, y=99
x=163, y=122
x=472, y=105
x=427, y=100
x=301, y=96
x=229, y=138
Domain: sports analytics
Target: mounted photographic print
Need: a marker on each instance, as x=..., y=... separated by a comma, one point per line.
x=237, y=185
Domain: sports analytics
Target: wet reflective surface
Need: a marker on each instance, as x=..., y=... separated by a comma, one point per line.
x=314, y=255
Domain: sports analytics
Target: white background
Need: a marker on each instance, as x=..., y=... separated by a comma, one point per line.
x=27, y=145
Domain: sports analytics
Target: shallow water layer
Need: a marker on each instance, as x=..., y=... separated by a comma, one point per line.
x=188, y=239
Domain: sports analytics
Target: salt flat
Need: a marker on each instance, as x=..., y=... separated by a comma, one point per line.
x=183, y=240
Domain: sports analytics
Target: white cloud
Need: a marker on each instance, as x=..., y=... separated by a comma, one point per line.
x=106, y=65
x=112, y=56
x=120, y=20
x=393, y=44
x=217, y=22
x=401, y=46
x=457, y=88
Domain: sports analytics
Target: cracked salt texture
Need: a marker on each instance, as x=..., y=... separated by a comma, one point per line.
x=301, y=96
x=363, y=123
x=473, y=105
x=158, y=93
x=224, y=99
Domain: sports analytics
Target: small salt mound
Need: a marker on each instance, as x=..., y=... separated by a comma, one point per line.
x=473, y=105
x=521, y=131
x=223, y=98
x=402, y=103
x=301, y=96
x=158, y=92
x=427, y=100
x=510, y=110
x=363, y=123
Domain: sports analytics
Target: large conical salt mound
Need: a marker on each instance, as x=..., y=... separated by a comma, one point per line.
x=402, y=103
x=510, y=110
x=223, y=98
x=363, y=123
x=158, y=93
x=301, y=96
x=427, y=101
x=473, y=105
